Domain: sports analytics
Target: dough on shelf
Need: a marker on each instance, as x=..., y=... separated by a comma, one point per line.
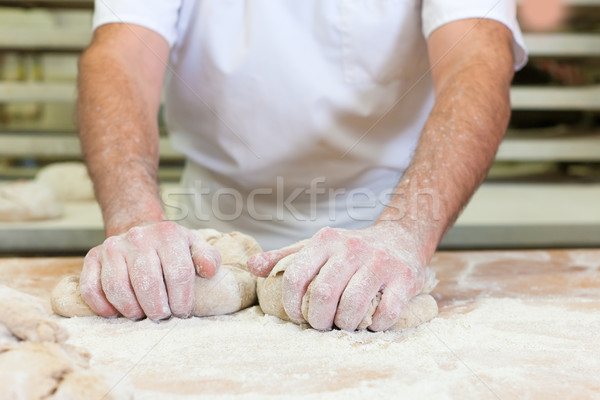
x=28, y=201
x=233, y=287
x=68, y=180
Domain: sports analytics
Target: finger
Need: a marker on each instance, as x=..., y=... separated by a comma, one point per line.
x=206, y=258
x=179, y=275
x=329, y=284
x=146, y=276
x=391, y=307
x=91, y=286
x=357, y=296
x=306, y=265
x=115, y=280
x=261, y=264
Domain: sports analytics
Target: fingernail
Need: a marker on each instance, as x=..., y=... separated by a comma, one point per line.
x=211, y=259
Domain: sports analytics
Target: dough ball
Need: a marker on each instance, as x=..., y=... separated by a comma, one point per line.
x=235, y=247
x=69, y=181
x=27, y=201
x=269, y=292
x=421, y=308
x=231, y=289
x=66, y=298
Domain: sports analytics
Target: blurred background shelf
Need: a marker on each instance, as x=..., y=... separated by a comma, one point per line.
x=69, y=4
x=44, y=39
x=562, y=44
x=37, y=92
x=59, y=146
x=556, y=98
x=576, y=146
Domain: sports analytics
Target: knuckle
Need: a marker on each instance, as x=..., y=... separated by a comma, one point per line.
x=327, y=233
x=391, y=314
x=169, y=227
x=381, y=262
x=114, y=290
x=92, y=255
x=382, y=257
x=407, y=274
x=355, y=243
x=142, y=283
x=181, y=274
x=322, y=293
x=136, y=235
x=111, y=243
x=291, y=282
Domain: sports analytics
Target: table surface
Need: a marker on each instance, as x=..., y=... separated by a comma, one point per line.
x=512, y=324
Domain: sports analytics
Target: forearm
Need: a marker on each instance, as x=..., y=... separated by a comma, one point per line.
x=456, y=148
x=117, y=118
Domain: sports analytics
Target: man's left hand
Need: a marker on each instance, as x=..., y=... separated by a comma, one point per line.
x=348, y=269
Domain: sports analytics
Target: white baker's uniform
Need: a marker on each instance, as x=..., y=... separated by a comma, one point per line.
x=296, y=114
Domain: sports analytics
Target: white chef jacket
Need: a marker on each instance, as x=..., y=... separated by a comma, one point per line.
x=295, y=115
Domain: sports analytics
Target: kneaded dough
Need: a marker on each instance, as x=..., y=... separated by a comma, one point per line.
x=68, y=180
x=233, y=287
x=27, y=201
x=32, y=370
x=54, y=371
x=35, y=361
x=421, y=308
x=25, y=317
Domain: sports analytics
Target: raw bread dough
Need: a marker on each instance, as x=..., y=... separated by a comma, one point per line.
x=35, y=362
x=68, y=180
x=25, y=317
x=233, y=287
x=32, y=370
x=421, y=308
x=28, y=200
x=53, y=371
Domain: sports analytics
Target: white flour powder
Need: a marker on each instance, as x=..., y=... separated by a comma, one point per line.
x=504, y=348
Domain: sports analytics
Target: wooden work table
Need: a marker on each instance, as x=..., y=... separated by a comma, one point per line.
x=512, y=324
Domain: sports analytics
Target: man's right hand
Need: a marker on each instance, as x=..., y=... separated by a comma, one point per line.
x=147, y=271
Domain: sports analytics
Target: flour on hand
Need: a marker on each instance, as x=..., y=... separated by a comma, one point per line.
x=231, y=289
x=421, y=308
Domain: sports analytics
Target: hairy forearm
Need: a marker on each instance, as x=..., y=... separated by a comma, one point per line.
x=456, y=148
x=118, y=128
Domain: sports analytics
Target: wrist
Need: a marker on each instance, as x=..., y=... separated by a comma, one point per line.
x=119, y=219
x=422, y=238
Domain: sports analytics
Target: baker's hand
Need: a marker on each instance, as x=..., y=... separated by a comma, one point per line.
x=149, y=270
x=348, y=269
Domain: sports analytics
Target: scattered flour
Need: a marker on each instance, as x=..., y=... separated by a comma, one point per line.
x=503, y=348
